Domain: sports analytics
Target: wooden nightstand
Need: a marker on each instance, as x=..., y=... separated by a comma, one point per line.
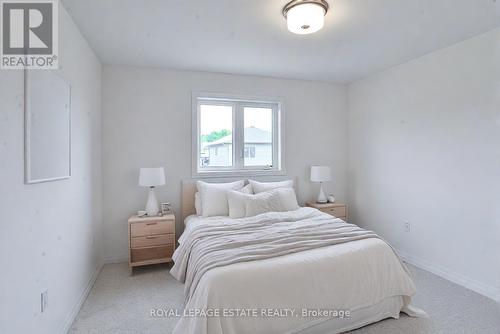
x=338, y=210
x=151, y=240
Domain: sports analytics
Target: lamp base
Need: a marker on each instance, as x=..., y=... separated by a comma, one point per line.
x=152, y=207
x=322, y=199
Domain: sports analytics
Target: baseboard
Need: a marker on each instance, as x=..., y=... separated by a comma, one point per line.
x=471, y=284
x=119, y=259
x=78, y=305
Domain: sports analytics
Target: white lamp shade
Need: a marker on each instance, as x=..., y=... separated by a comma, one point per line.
x=320, y=173
x=305, y=18
x=151, y=177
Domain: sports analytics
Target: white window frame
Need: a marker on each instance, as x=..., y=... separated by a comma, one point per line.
x=238, y=102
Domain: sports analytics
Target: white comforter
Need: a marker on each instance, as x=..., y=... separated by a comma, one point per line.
x=343, y=277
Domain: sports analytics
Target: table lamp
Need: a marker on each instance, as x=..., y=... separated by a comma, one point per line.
x=321, y=174
x=152, y=177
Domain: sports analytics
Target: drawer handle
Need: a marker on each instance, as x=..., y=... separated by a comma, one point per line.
x=151, y=223
x=150, y=237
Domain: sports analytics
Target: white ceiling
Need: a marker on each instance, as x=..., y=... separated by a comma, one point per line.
x=360, y=37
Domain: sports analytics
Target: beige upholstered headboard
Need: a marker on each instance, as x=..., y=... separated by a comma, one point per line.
x=189, y=189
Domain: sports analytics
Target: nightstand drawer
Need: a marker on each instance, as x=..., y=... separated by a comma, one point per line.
x=151, y=228
x=152, y=253
x=152, y=240
x=339, y=211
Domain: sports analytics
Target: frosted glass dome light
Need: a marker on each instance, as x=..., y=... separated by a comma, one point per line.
x=305, y=16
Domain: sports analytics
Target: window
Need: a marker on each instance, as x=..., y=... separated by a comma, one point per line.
x=236, y=136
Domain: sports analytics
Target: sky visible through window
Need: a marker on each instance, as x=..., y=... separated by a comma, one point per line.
x=216, y=118
x=260, y=118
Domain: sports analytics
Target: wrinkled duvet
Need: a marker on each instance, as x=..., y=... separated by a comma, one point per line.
x=282, y=272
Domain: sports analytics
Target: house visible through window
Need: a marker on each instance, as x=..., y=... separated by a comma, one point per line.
x=236, y=136
x=249, y=152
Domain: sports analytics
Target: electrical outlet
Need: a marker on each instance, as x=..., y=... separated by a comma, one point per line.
x=44, y=300
x=407, y=227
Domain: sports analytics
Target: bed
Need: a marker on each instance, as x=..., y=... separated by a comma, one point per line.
x=300, y=271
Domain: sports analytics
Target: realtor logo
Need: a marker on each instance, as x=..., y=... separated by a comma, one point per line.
x=29, y=34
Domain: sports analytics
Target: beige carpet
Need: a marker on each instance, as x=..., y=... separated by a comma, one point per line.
x=119, y=303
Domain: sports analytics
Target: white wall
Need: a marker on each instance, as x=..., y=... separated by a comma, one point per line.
x=424, y=147
x=50, y=232
x=147, y=122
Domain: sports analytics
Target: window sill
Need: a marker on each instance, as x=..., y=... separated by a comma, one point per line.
x=238, y=173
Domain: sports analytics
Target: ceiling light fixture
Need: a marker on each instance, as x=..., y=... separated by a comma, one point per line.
x=305, y=16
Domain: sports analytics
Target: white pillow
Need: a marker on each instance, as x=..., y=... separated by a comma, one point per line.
x=237, y=202
x=246, y=189
x=277, y=200
x=197, y=200
x=268, y=201
x=197, y=203
x=214, y=197
x=259, y=187
x=288, y=199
